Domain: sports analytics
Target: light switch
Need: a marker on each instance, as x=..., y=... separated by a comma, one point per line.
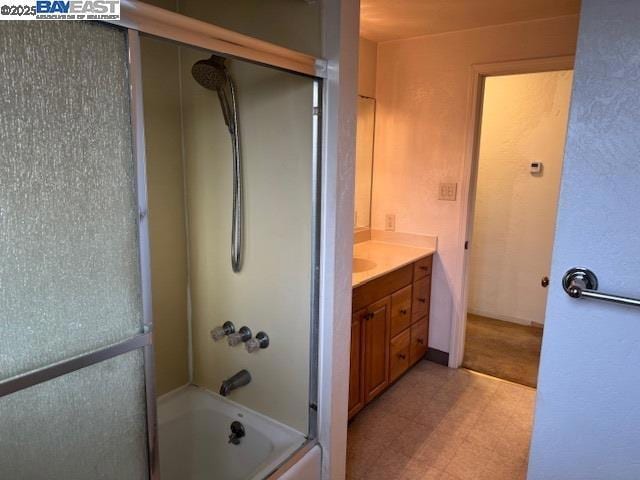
x=390, y=222
x=448, y=191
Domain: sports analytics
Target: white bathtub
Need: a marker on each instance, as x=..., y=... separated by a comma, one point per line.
x=194, y=427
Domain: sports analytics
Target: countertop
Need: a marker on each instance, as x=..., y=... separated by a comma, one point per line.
x=386, y=257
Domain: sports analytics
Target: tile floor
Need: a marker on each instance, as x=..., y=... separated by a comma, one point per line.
x=445, y=424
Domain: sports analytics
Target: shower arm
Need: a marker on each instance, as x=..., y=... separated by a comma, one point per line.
x=237, y=214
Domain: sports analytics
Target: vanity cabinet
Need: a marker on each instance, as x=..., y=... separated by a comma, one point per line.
x=376, y=348
x=356, y=368
x=389, y=330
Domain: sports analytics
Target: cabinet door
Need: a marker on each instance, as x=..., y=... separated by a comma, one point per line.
x=419, y=339
x=356, y=370
x=376, y=348
x=421, y=298
x=400, y=310
x=399, y=355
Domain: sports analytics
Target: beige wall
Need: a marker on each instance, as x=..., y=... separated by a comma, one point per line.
x=272, y=293
x=292, y=24
x=161, y=89
x=524, y=120
x=422, y=103
x=367, y=63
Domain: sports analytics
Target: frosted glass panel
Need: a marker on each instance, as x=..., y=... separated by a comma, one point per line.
x=69, y=275
x=86, y=425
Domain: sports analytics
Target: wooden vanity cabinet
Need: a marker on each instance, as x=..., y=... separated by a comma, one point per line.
x=376, y=348
x=389, y=330
x=400, y=310
x=356, y=366
x=418, y=340
x=399, y=354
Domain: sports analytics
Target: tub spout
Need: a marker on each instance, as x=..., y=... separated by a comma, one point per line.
x=240, y=379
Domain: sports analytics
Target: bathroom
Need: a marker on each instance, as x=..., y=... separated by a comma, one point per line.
x=460, y=138
x=238, y=241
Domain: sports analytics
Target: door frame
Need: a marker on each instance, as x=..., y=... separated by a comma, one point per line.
x=475, y=95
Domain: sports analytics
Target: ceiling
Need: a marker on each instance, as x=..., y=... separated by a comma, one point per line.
x=383, y=20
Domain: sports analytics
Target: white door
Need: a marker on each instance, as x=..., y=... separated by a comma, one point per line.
x=587, y=421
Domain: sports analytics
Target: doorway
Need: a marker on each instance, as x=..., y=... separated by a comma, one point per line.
x=518, y=165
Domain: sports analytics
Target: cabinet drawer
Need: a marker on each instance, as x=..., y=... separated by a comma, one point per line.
x=400, y=310
x=421, y=298
x=381, y=287
x=399, y=354
x=419, y=340
x=422, y=267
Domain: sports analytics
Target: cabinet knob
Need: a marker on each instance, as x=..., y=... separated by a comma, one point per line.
x=404, y=311
x=422, y=300
x=402, y=356
x=420, y=341
x=368, y=316
x=422, y=267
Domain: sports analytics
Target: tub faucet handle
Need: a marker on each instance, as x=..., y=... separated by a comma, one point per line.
x=220, y=332
x=261, y=340
x=241, y=336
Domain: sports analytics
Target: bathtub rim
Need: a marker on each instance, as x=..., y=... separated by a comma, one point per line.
x=282, y=462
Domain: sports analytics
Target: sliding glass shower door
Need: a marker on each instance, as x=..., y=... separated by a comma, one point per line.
x=74, y=333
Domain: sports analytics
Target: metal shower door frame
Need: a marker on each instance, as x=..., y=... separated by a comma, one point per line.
x=143, y=18
x=144, y=340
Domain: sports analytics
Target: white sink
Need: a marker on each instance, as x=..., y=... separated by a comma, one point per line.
x=362, y=265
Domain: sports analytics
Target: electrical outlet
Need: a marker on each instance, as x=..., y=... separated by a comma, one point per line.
x=448, y=191
x=390, y=222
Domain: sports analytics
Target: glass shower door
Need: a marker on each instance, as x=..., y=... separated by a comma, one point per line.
x=74, y=329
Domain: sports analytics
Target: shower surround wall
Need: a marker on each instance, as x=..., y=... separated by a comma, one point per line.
x=167, y=218
x=190, y=196
x=275, y=297
x=272, y=292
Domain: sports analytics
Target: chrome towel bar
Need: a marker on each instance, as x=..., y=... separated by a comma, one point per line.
x=581, y=282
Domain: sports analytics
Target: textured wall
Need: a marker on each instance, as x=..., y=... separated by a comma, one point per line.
x=524, y=120
x=587, y=414
x=422, y=104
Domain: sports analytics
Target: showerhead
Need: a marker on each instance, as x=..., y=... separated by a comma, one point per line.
x=210, y=73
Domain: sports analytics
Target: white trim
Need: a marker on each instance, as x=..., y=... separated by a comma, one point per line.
x=467, y=192
x=180, y=28
x=340, y=48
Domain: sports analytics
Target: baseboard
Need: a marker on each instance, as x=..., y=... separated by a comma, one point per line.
x=437, y=356
x=504, y=318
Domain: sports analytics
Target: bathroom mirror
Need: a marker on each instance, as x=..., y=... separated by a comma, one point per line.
x=364, y=162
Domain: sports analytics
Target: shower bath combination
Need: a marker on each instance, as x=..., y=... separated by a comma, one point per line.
x=212, y=74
